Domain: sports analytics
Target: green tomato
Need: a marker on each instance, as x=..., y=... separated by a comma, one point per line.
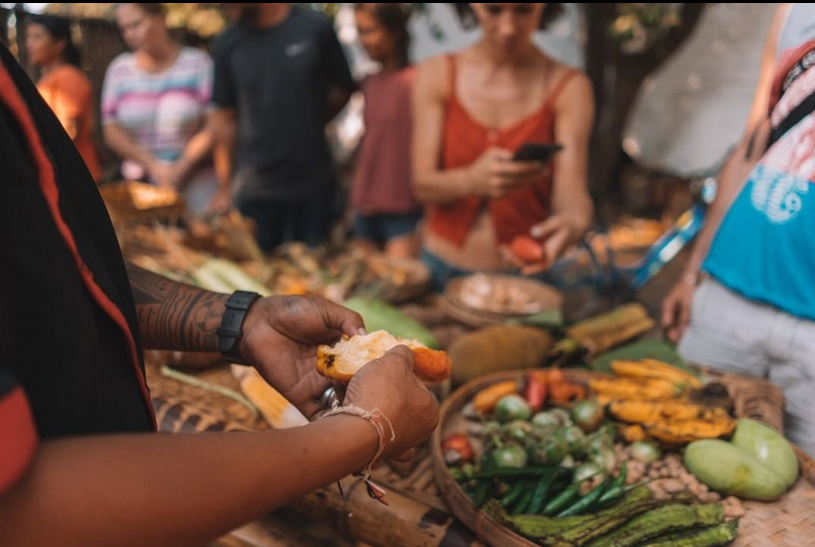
x=598, y=442
x=588, y=414
x=645, y=451
x=550, y=451
x=574, y=439
x=563, y=417
x=587, y=471
x=509, y=456
x=517, y=430
x=546, y=421
x=512, y=407
x=605, y=460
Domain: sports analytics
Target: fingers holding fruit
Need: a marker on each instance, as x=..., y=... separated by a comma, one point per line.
x=389, y=385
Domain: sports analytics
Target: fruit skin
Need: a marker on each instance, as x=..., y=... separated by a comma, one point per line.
x=730, y=470
x=768, y=447
x=498, y=348
x=432, y=365
x=527, y=249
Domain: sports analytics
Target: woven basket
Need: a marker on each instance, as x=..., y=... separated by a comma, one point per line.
x=787, y=522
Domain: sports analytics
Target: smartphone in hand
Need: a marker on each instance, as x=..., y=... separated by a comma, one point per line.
x=537, y=151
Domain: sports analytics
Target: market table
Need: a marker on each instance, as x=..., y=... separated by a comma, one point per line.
x=417, y=514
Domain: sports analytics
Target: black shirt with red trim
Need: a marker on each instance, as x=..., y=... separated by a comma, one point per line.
x=67, y=318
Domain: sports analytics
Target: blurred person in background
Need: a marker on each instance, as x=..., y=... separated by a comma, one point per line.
x=63, y=85
x=745, y=303
x=386, y=212
x=154, y=107
x=473, y=110
x=280, y=77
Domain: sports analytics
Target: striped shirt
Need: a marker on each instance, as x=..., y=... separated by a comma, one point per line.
x=162, y=111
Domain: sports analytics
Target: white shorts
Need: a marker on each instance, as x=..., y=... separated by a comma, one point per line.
x=730, y=333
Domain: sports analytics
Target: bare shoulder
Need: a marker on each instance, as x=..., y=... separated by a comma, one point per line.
x=575, y=86
x=432, y=77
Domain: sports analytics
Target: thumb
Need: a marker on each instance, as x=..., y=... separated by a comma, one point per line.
x=555, y=244
x=546, y=228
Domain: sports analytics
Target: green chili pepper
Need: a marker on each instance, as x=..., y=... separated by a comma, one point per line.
x=512, y=494
x=523, y=501
x=544, y=487
x=616, y=489
x=584, y=503
x=482, y=489
x=562, y=500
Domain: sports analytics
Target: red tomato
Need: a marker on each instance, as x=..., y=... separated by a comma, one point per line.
x=527, y=249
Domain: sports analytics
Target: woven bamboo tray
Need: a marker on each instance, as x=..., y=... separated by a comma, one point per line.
x=787, y=522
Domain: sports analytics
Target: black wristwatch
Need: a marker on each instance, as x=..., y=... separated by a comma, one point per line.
x=231, y=329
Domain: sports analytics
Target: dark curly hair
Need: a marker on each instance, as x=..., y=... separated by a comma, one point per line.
x=394, y=17
x=468, y=19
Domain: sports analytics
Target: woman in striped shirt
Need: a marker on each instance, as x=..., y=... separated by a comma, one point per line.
x=154, y=106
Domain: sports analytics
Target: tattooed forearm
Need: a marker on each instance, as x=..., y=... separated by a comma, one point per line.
x=174, y=315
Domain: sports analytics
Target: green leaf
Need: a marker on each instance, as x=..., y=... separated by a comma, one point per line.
x=547, y=319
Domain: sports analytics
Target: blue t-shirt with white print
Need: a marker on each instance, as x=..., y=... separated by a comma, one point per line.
x=765, y=246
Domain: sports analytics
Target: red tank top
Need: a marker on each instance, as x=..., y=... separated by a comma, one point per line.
x=464, y=140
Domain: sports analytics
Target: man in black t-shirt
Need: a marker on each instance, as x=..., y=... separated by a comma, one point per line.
x=280, y=77
x=78, y=465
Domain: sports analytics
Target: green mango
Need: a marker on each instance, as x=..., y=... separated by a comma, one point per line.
x=730, y=470
x=768, y=447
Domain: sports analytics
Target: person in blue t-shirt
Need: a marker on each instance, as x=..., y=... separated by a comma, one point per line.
x=746, y=301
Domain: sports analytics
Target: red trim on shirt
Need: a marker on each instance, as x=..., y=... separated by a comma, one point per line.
x=18, y=438
x=11, y=96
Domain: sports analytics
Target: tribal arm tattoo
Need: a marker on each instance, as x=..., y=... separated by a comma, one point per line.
x=173, y=315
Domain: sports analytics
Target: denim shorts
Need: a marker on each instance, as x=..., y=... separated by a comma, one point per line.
x=382, y=228
x=440, y=271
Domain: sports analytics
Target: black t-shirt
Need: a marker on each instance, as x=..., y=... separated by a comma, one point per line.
x=277, y=79
x=67, y=319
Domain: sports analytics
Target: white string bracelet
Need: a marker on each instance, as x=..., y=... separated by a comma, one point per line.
x=374, y=417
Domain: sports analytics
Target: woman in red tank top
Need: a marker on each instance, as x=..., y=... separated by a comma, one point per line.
x=472, y=111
